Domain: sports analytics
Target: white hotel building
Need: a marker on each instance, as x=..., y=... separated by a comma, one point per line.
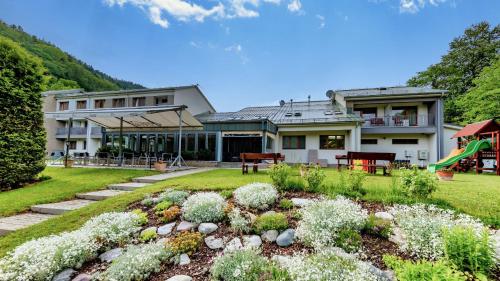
x=407, y=121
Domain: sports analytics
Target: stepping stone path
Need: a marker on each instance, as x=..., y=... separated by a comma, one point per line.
x=42, y=212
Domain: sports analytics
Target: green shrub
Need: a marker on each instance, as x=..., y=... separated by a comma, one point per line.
x=175, y=196
x=270, y=221
x=22, y=135
x=351, y=183
x=286, y=204
x=378, y=227
x=314, y=177
x=279, y=174
x=468, y=251
x=204, y=207
x=43, y=177
x=162, y=206
x=226, y=194
x=294, y=184
x=239, y=265
x=422, y=270
x=148, y=235
x=142, y=216
x=417, y=183
x=349, y=240
x=275, y=273
x=238, y=222
x=148, y=201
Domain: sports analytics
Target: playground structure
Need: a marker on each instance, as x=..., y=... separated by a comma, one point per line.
x=475, y=142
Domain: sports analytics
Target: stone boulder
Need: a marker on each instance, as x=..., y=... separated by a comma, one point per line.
x=286, y=238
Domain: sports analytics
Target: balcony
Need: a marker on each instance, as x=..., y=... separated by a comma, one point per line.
x=78, y=132
x=399, y=124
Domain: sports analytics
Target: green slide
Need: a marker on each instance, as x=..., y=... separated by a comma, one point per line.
x=473, y=147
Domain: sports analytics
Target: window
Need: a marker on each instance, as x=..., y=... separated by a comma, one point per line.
x=201, y=141
x=141, y=101
x=81, y=104
x=269, y=142
x=119, y=102
x=64, y=105
x=404, y=141
x=367, y=113
x=164, y=100
x=404, y=115
x=369, y=141
x=332, y=142
x=99, y=103
x=294, y=142
x=72, y=144
x=84, y=145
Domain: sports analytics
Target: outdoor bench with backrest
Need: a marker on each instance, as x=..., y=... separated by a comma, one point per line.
x=370, y=163
x=256, y=158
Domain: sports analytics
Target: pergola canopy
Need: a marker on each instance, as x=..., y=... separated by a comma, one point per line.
x=133, y=117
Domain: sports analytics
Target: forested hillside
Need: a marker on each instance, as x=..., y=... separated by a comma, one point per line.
x=65, y=70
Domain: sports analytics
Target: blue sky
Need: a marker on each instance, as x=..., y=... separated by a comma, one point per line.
x=253, y=52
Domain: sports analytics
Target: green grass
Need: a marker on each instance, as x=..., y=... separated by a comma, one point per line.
x=473, y=194
x=65, y=183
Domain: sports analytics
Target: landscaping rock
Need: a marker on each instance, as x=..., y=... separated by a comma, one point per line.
x=270, y=235
x=252, y=241
x=252, y=217
x=180, y=278
x=382, y=275
x=397, y=236
x=110, y=255
x=83, y=277
x=64, y=275
x=184, y=259
x=496, y=243
x=384, y=216
x=301, y=202
x=286, y=238
x=281, y=260
x=214, y=243
x=233, y=245
x=166, y=229
x=207, y=228
x=185, y=226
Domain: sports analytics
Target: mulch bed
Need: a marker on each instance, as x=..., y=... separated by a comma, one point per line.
x=373, y=247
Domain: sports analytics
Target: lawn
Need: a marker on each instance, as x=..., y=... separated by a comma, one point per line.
x=477, y=195
x=63, y=185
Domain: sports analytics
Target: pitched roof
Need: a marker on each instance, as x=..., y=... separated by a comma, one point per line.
x=477, y=128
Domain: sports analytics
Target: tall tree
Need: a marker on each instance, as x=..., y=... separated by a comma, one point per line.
x=466, y=58
x=483, y=100
x=22, y=135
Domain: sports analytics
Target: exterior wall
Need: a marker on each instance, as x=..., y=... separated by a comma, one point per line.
x=449, y=143
x=51, y=125
x=312, y=143
x=403, y=151
x=191, y=97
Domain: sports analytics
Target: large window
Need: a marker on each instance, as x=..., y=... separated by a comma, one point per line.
x=164, y=100
x=64, y=105
x=404, y=115
x=404, y=141
x=201, y=141
x=81, y=104
x=294, y=142
x=332, y=142
x=367, y=113
x=99, y=103
x=269, y=143
x=140, y=101
x=369, y=141
x=119, y=102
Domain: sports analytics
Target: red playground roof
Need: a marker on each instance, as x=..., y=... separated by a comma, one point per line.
x=478, y=128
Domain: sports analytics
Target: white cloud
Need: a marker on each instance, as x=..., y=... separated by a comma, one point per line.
x=321, y=19
x=295, y=6
x=275, y=2
x=240, y=9
x=413, y=6
x=234, y=48
x=194, y=44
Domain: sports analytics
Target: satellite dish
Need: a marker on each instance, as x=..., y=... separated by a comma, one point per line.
x=282, y=102
x=330, y=94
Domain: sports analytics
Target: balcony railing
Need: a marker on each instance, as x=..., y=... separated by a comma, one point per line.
x=79, y=131
x=399, y=121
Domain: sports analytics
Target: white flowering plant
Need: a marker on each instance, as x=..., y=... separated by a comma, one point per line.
x=204, y=207
x=327, y=266
x=137, y=263
x=323, y=221
x=422, y=228
x=42, y=258
x=256, y=195
x=239, y=265
x=177, y=197
x=238, y=222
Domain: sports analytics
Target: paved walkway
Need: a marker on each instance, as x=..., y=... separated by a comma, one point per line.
x=42, y=212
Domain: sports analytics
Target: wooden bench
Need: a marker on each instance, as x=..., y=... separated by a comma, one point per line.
x=371, y=158
x=256, y=158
